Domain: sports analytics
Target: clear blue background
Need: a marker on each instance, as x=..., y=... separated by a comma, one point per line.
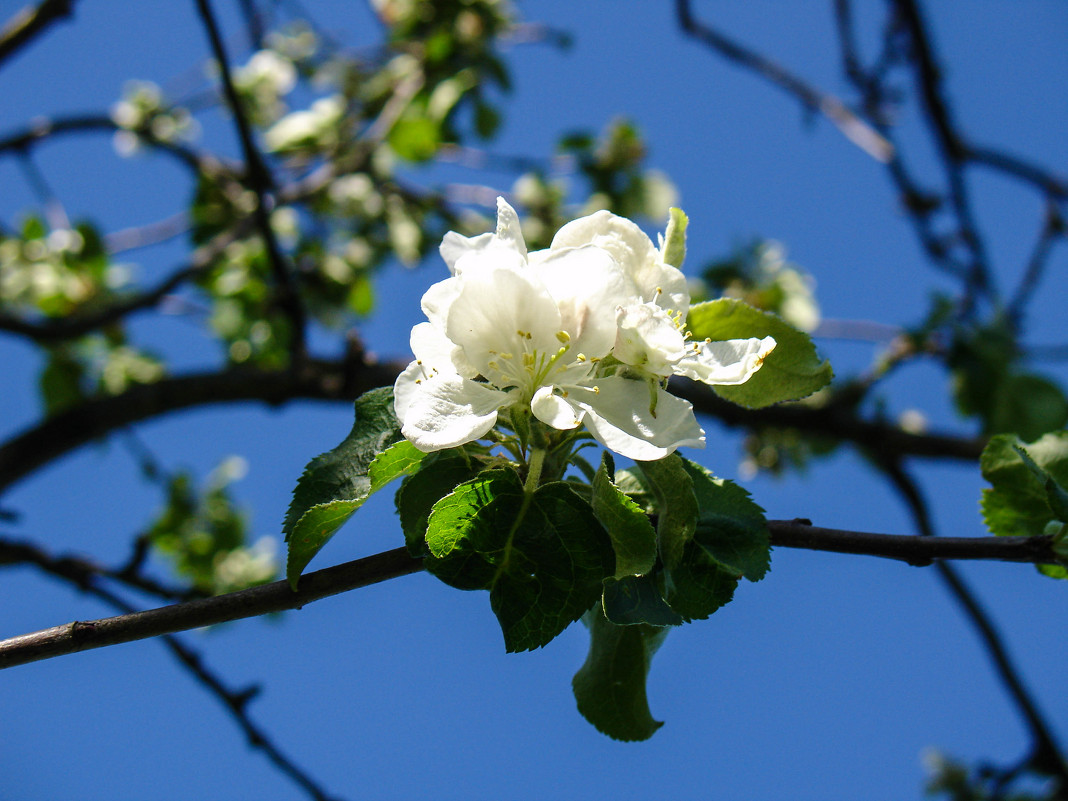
x=826, y=681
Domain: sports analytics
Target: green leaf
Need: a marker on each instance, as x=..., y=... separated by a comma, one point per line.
x=336, y=483
x=415, y=138
x=439, y=474
x=1029, y=406
x=636, y=599
x=676, y=505
x=610, y=686
x=61, y=381
x=487, y=119
x=632, y=535
x=1018, y=502
x=1027, y=495
x=731, y=529
x=697, y=586
x=674, y=248
x=790, y=372
x=542, y=557
x=1056, y=495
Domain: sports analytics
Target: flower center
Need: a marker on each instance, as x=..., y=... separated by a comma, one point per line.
x=529, y=368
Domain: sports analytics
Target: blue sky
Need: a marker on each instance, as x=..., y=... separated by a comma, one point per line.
x=825, y=681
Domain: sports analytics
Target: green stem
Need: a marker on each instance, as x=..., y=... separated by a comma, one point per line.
x=537, y=460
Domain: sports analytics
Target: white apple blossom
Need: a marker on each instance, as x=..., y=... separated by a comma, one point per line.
x=584, y=333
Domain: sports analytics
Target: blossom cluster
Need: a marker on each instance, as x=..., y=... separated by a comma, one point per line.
x=584, y=333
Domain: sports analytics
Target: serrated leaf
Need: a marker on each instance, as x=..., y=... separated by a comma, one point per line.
x=632, y=535
x=1056, y=495
x=1018, y=503
x=336, y=483
x=438, y=474
x=676, y=505
x=636, y=599
x=697, y=586
x=542, y=558
x=610, y=686
x=731, y=529
x=790, y=372
x=1027, y=491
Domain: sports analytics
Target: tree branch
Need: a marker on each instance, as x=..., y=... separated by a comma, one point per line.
x=29, y=23
x=849, y=124
x=39, y=130
x=950, y=143
x=833, y=420
x=914, y=550
x=276, y=597
x=261, y=183
x=348, y=378
x=57, y=435
x=84, y=575
x=1046, y=752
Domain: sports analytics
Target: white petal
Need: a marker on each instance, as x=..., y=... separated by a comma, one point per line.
x=648, y=338
x=502, y=310
x=509, y=231
x=508, y=237
x=438, y=298
x=454, y=245
x=619, y=417
x=438, y=353
x=554, y=410
x=445, y=411
x=727, y=362
x=587, y=285
x=649, y=278
x=405, y=388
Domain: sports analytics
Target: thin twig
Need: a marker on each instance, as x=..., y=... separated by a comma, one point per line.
x=84, y=575
x=849, y=124
x=1046, y=753
x=54, y=213
x=262, y=184
x=44, y=128
x=82, y=572
x=950, y=143
x=1053, y=228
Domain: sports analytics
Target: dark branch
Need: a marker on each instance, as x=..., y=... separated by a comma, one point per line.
x=66, y=431
x=84, y=575
x=39, y=130
x=834, y=421
x=916, y=551
x=78, y=325
x=261, y=183
x=267, y=598
x=29, y=23
x=346, y=379
x=851, y=126
x=1047, y=752
x=276, y=597
x=950, y=143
